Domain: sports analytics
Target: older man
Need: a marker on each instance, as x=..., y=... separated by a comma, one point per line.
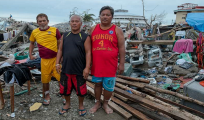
x=75, y=48
x=48, y=39
x=107, y=42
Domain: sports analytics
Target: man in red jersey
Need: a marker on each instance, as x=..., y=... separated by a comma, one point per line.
x=107, y=42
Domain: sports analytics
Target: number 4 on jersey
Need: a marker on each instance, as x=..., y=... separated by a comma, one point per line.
x=101, y=43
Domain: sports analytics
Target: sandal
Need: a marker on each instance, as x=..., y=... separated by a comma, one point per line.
x=47, y=101
x=82, y=111
x=66, y=110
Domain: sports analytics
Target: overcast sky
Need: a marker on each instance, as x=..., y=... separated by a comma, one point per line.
x=59, y=10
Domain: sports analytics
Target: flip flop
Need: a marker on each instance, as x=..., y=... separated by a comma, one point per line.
x=47, y=101
x=64, y=101
x=66, y=110
x=83, y=113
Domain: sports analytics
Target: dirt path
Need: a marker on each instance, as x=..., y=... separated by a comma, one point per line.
x=24, y=101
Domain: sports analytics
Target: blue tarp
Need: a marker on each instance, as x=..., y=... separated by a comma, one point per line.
x=196, y=20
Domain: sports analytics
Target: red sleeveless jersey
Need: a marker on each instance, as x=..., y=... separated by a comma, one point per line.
x=104, y=52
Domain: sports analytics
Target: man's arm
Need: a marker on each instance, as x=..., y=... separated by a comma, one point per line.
x=32, y=45
x=121, y=47
x=59, y=55
x=58, y=36
x=87, y=46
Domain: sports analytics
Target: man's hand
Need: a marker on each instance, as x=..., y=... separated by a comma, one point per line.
x=121, y=69
x=32, y=57
x=86, y=73
x=58, y=68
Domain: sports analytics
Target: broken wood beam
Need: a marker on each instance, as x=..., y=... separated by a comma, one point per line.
x=201, y=114
x=121, y=97
x=134, y=79
x=1, y=98
x=143, y=85
x=166, y=110
x=114, y=106
x=152, y=114
x=153, y=99
x=178, y=28
x=135, y=112
x=154, y=42
x=12, y=98
x=135, y=84
x=176, y=94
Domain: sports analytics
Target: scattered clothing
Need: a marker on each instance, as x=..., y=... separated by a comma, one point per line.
x=199, y=50
x=199, y=78
x=180, y=61
x=6, y=36
x=18, y=73
x=9, y=35
x=1, y=37
x=183, y=45
x=186, y=65
x=202, y=83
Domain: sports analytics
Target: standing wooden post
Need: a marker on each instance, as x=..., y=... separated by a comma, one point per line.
x=28, y=83
x=1, y=98
x=12, y=97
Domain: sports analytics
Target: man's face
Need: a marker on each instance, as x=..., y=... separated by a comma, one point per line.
x=106, y=17
x=75, y=23
x=43, y=23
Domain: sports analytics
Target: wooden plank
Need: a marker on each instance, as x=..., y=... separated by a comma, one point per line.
x=135, y=84
x=175, y=94
x=170, y=112
x=114, y=106
x=154, y=42
x=135, y=112
x=177, y=28
x=121, y=97
x=130, y=109
x=201, y=114
x=1, y=98
x=12, y=98
x=153, y=99
x=133, y=79
x=150, y=113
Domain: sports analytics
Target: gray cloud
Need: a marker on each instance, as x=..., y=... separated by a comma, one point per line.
x=59, y=10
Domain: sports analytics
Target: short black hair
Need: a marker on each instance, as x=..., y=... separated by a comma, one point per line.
x=41, y=15
x=107, y=8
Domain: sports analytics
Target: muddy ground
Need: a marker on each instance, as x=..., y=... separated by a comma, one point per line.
x=51, y=112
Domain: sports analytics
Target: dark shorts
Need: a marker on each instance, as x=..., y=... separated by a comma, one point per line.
x=69, y=82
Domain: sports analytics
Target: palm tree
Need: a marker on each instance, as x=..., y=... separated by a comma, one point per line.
x=88, y=17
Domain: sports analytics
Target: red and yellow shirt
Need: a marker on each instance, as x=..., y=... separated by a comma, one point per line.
x=47, y=41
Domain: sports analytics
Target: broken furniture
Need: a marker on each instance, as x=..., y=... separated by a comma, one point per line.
x=12, y=95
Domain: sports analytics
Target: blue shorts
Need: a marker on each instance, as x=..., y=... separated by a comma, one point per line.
x=108, y=82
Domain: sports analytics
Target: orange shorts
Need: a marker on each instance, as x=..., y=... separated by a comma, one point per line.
x=48, y=70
